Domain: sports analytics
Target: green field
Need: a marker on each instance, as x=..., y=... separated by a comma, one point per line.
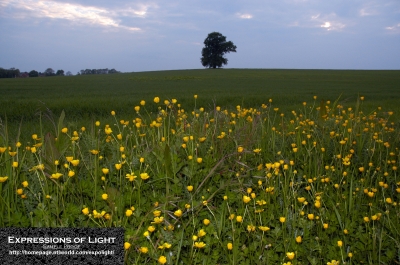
x=292, y=167
x=22, y=98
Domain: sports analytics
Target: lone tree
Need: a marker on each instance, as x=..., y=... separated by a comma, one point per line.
x=215, y=48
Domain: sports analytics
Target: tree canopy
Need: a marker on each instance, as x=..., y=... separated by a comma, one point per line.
x=215, y=48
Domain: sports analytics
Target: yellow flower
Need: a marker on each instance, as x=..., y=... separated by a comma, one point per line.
x=290, y=255
x=71, y=173
x=240, y=149
x=389, y=200
x=151, y=229
x=128, y=212
x=156, y=100
x=229, y=246
x=127, y=245
x=299, y=239
x=158, y=220
x=20, y=191
x=340, y=243
x=199, y=160
x=366, y=219
x=333, y=262
x=199, y=244
x=206, y=222
x=96, y=214
x=162, y=260
x=85, y=211
x=157, y=213
x=194, y=237
x=310, y=216
x=118, y=166
x=146, y=234
x=25, y=184
x=282, y=219
x=239, y=219
x=189, y=188
x=56, y=175
x=3, y=179
x=75, y=162
x=326, y=225
x=108, y=130
x=264, y=228
x=104, y=196
x=301, y=199
x=201, y=233
x=105, y=171
x=251, y=228
x=141, y=160
x=178, y=213
x=64, y=130
x=131, y=177
x=144, y=176
x=142, y=102
x=144, y=250
x=246, y=199
x=15, y=164
x=94, y=152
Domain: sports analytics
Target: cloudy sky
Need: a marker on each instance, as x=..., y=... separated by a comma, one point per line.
x=138, y=35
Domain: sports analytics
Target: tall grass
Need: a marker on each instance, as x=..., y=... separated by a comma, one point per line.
x=194, y=185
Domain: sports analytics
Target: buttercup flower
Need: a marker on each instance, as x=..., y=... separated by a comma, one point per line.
x=144, y=250
x=128, y=212
x=199, y=244
x=144, y=176
x=85, y=211
x=3, y=179
x=178, y=213
x=162, y=260
x=290, y=255
x=201, y=233
x=246, y=199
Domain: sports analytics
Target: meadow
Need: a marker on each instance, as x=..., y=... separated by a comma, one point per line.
x=210, y=167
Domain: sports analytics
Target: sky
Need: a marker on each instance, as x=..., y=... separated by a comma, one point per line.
x=138, y=35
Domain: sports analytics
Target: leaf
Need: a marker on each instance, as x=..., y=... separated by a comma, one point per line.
x=60, y=123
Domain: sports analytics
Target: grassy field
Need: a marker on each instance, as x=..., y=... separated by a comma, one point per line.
x=22, y=98
x=211, y=167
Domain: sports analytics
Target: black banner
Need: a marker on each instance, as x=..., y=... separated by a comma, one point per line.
x=59, y=245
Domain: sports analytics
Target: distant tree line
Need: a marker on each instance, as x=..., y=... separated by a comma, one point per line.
x=97, y=71
x=9, y=73
x=14, y=73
